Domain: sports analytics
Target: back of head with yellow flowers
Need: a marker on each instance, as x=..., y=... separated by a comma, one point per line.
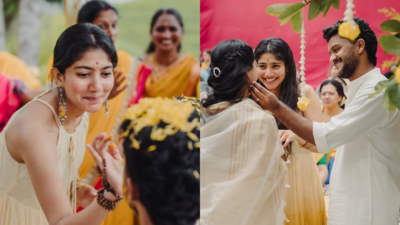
x=162, y=153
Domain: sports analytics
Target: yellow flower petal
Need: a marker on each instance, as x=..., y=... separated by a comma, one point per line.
x=192, y=136
x=135, y=144
x=196, y=174
x=397, y=74
x=152, y=148
x=190, y=145
x=347, y=31
x=303, y=104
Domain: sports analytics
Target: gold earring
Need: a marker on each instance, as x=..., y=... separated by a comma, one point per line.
x=62, y=106
x=106, y=111
x=343, y=101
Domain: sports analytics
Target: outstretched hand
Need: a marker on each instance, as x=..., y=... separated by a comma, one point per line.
x=286, y=136
x=263, y=97
x=119, y=78
x=114, y=168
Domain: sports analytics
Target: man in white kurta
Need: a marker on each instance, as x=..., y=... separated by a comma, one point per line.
x=365, y=181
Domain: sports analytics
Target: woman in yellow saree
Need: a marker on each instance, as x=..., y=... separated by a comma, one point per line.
x=13, y=67
x=105, y=16
x=174, y=74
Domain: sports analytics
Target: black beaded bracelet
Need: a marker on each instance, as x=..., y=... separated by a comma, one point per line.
x=105, y=203
x=105, y=183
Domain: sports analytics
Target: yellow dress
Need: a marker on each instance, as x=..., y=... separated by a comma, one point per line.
x=18, y=202
x=318, y=156
x=205, y=65
x=304, y=198
x=179, y=78
x=123, y=215
x=14, y=67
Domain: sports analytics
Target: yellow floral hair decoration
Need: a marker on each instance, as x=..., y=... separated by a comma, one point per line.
x=150, y=112
x=349, y=29
x=192, y=100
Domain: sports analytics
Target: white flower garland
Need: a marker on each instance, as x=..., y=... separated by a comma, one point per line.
x=302, y=62
x=348, y=13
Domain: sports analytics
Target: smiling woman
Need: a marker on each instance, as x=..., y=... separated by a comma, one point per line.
x=173, y=73
x=40, y=150
x=277, y=72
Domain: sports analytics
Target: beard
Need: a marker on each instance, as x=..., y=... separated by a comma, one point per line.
x=349, y=66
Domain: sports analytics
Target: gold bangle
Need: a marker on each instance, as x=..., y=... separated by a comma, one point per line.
x=306, y=145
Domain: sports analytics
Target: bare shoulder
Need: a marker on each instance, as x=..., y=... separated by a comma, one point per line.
x=32, y=129
x=309, y=90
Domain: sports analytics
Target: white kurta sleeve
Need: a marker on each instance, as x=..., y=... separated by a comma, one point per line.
x=362, y=115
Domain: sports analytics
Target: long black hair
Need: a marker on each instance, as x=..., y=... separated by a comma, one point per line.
x=78, y=39
x=289, y=90
x=157, y=15
x=91, y=10
x=230, y=62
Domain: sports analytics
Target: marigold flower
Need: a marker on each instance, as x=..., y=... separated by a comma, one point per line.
x=346, y=30
x=303, y=103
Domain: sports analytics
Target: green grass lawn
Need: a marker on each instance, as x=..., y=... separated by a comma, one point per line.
x=134, y=28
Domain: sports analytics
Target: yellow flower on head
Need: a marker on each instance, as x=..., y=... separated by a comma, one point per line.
x=153, y=112
x=397, y=74
x=346, y=30
x=303, y=103
x=152, y=148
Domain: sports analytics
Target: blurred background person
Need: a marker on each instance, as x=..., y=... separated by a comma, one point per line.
x=14, y=67
x=173, y=73
x=333, y=99
x=206, y=59
x=333, y=102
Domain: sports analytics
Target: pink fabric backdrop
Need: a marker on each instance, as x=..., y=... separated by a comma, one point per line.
x=248, y=21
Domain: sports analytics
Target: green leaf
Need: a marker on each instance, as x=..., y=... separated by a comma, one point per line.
x=390, y=44
x=336, y=4
x=277, y=9
x=393, y=90
x=297, y=21
x=382, y=85
x=327, y=7
x=387, y=104
x=314, y=9
x=289, y=12
x=391, y=26
x=397, y=35
x=379, y=87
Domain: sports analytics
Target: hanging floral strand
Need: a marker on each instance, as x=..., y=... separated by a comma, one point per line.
x=303, y=102
x=349, y=29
